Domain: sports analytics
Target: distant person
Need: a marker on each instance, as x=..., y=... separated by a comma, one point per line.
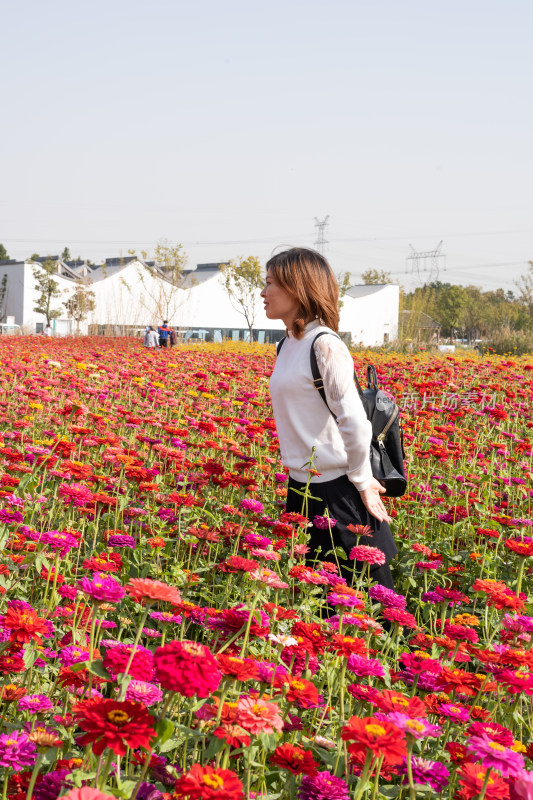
x=164, y=333
x=151, y=338
x=48, y=331
x=173, y=338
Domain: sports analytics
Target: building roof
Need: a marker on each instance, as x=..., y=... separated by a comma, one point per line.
x=364, y=289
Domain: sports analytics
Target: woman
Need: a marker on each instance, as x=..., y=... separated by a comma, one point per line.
x=302, y=290
x=151, y=338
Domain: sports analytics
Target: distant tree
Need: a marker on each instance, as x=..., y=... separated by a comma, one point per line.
x=65, y=255
x=451, y=304
x=374, y=276
x=345, y=281
x=161, y=280
x=3, y=253
x=525, y=291
x=49, y=290
x=80, y=303
x=34, y=257
x=243, y=282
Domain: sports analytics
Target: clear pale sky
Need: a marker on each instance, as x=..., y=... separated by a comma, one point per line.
x=229, y=126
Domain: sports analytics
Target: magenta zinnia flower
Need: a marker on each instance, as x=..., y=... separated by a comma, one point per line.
x=102, y=588
x=323, y=786
x=495, y=755
x=365, y=666
x=121, y=540
x=16, y=750
x=324, y=522
x=344, y=600
x=425, y=771
x=251, y=505
x=35, y=703
x=387, y=597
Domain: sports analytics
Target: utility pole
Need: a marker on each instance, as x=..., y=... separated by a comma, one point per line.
x=320, y=244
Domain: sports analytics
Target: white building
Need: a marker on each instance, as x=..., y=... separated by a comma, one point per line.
x=130, y=294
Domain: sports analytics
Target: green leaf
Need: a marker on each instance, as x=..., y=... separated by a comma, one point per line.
x=97, y=668
x=164, y=729
x=215, y=746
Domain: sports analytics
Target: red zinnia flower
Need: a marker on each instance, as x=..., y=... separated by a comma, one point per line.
x=24, y=624
x=309, y=636
x=302, y=692
x=114, y=724
x=472, y=778
x=295, y=759
x=389, y=700
x=243, y=669
x=141, y=668
x=379, y=736
x=188, y=668
x=209, y=783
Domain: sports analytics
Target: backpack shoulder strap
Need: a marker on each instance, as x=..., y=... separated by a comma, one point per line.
x=317, y=377
x=280, y=345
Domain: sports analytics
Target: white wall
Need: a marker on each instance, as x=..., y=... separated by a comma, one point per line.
x=131, y=296
x=370, y=317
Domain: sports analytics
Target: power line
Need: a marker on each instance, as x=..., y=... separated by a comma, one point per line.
x=266, y=240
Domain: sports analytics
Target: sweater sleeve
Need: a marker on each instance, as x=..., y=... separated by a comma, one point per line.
x=336, y=368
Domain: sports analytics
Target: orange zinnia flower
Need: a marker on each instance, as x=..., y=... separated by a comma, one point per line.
x=147, y=589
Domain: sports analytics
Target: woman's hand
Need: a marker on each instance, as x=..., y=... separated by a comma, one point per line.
x=373, y=502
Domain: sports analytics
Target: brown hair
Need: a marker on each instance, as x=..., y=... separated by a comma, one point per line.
x=307, y=276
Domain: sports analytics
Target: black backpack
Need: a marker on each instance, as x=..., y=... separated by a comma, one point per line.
x=386, y=446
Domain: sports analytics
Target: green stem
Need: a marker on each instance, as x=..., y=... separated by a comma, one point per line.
x=364, y=775
x=34, y=775
x=485, y=784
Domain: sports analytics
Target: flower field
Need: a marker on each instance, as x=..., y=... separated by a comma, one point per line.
x=160, y=633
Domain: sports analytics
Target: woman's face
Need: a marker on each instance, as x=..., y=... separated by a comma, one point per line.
x=279, y=304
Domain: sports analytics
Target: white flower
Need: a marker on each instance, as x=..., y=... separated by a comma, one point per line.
x=283, y=640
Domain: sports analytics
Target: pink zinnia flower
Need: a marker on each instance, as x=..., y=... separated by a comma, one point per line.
x=143, y=692
x=257, y=716
x=268, y=577
x=523, y=785
x=86, y=793
x=371, y=555
x=416, y=727
x=102, y=588
x=495, y=755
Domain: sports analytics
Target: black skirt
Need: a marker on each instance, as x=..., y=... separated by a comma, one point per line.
x=343, y=502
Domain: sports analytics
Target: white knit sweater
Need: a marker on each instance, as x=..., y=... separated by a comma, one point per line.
x=303, y=420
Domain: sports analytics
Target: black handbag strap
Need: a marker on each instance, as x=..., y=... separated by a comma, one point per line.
x=280, y=345
x=317, y=377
